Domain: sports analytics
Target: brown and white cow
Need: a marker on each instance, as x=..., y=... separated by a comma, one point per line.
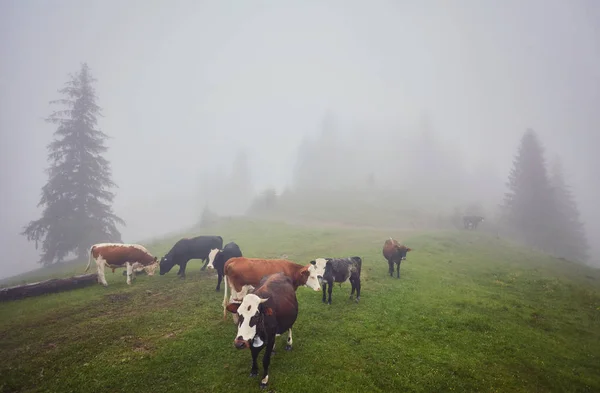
x=264, y=314
x=242, y=274
x=115, y=255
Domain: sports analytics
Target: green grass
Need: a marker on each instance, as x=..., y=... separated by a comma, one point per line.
x=470, y=313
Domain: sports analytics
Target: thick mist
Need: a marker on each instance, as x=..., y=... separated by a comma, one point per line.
x=197, y=95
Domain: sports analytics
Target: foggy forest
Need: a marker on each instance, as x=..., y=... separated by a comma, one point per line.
x=409, y=186
x=388, y=104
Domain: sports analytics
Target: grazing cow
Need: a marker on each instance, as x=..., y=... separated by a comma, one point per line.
x=116, y=255
x=341, y=270
x=189, y=248
x=395, y=254
x=264, y=314
x=217, y=259
x=241, y=274
x=471, y=222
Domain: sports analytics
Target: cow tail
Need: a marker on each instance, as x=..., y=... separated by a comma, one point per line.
x=89, y=259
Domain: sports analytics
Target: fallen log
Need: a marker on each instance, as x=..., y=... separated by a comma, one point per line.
x=52, y=285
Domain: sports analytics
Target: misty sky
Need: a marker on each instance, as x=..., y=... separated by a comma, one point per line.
x=185, y=84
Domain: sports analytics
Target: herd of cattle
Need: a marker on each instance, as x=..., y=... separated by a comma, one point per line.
x=263, y=300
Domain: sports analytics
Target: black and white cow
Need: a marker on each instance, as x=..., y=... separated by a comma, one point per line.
x=217, y=259
x=471, y=222
x=340, y=270
x=189, y=248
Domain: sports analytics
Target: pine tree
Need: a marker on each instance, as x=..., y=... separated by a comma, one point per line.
x=569, y=239
x=77, y=201
x=528, y=204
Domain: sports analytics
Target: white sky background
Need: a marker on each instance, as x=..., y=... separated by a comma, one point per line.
x=185, y=84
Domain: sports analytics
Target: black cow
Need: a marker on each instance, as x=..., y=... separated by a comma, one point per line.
x=341, y=270
x=189, y=248
x=266, y=312
x=471, y=222
x=217, y=259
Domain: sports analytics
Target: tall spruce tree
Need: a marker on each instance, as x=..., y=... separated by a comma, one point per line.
x=569, y=239
x=528, y=204
x=77, y=201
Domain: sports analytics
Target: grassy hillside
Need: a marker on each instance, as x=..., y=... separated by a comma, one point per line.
x=470, y=313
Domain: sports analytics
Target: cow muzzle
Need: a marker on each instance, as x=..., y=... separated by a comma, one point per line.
x=240, y=343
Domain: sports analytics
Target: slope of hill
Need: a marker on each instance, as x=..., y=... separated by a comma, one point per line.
x=470, y=313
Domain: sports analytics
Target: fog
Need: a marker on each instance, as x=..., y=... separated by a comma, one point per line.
x=186, y=86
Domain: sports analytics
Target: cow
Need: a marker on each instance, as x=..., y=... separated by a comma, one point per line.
x=217, y=259
x=341, y=270
x=116, y=255
x=241, y=274
x=189, y=248
x=471, y=222
x=395, y=253
x=269, y=311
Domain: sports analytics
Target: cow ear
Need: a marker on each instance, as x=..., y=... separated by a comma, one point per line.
x=305, y=272
x=233, y=307
x=408, y=249
x=268, y=311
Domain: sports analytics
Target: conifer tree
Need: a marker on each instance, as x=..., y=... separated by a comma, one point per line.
x=77, y=199
x=569, y=239
x=528, y=204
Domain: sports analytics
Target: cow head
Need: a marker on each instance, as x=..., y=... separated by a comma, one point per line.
x=166, y=264
x=150, y=269
x=308, y=277
x=212, y=255
x=402, y=251
x=251, y=314
x=319, y=265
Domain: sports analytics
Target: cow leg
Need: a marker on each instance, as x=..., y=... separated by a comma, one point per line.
x=288, y=347
x=352, y=283
x=219, y=278
x=357, y=284
x=255, y=351
x=129, y=272
x=100, y=262
x=398, y=267
x=391, y=267
x=266, y=362
x=181, y=272
x=205, y=264
x=329, y=291
x=324, y=284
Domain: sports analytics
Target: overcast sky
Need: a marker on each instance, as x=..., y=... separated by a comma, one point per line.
x=183, y=84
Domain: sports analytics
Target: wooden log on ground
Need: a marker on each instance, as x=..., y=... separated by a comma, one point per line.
x=52, y=285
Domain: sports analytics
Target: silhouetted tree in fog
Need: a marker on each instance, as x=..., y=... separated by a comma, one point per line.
x=569, y=238
x=528, y=206
x=77, y=202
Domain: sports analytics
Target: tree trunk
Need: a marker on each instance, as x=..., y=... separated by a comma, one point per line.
x=52, y=285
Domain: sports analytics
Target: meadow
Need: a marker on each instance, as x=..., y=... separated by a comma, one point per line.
x=470, y=313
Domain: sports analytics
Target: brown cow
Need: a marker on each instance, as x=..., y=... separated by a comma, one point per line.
x=394, y=252
x=116, y=255
x=241, y=273
x=268, y=312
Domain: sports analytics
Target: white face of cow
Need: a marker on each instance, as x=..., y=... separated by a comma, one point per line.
x=248, y=318
x=150, y=269
x=313, y=282
x=320, y=268
x=211, y=257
